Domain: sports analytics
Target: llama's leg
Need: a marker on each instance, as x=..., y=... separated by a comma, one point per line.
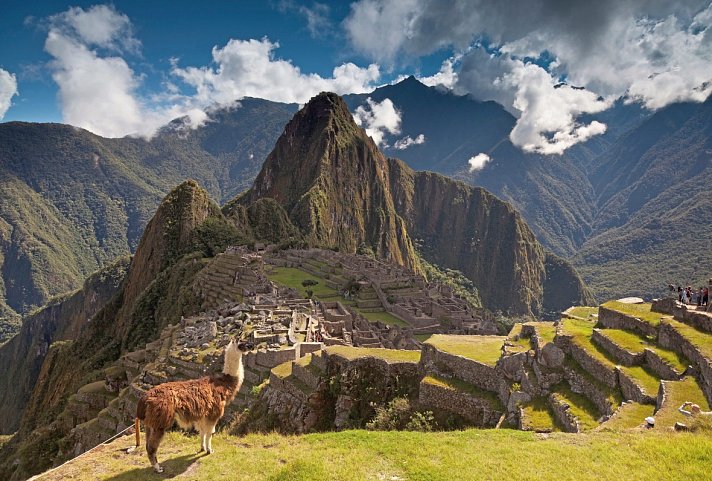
x=203, y=446
x=210, y=431
x=153, y=440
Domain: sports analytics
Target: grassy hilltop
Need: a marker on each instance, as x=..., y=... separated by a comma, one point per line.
x=359, y=455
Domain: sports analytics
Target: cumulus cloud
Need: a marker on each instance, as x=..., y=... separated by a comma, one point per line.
x=249, y=68
x=446, y=76
x=379, y=118
x=654, y=52
x=478, y=161
x=408, y=141
x=8, y=89
x=100, y=91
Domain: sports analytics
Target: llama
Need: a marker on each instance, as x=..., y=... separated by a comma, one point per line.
x=198, y=403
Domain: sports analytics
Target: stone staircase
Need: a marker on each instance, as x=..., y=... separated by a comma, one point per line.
x=216, y=282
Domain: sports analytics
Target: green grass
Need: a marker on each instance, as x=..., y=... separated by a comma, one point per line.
x=494, y=455
x=459, y=385
x=613, y=396
x=581, y=332
x=629, y=415
x=422, y=337
x=516, y=342
x=383, y=316
x=546, y=331
x=293, y=277
x=584, y=312
x=641, y=311
x=485, y=349
x=389, y=355
x=679, y=392
x=580, y=406
x=636, y=343
x=643, y=378
x=537, y=416
x=700, y=339
x=283, y=370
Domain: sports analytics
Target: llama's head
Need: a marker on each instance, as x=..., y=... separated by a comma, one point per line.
x=233, y=359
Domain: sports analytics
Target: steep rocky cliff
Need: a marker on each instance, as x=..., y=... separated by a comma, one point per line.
x=156, y=291
x=332, y=180
x=64, y=318
x=341, y=192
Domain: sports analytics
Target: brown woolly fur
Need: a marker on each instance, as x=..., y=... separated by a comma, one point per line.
x=198, y=403
x=187, y=401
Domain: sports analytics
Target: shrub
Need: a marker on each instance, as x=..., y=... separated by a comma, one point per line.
x=399, y=415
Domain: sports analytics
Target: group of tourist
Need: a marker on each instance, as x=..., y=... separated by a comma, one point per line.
x=687, y=295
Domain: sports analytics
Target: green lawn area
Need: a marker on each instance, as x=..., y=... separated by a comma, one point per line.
x=641, y=311
x=517, y=343
x=679, y=392
x=389, y=355
x=584, y=312
x=546, y=331
x=283, y=370
x=629, y=415
x=494, y=455
x=293, y=277
x=485, y=349
x=580, y=406
x=537, y=416
x=458, y=385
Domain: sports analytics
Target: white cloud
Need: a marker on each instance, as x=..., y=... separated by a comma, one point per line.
x=378, y=119
x=8, y=89
x=99, y=91
x=656, y=53
x=446, y=76
x=408, y=141
x=478, y=161
x=248, y=68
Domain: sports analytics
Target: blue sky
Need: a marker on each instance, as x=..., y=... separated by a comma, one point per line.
x=129, y=67
x=186, y=30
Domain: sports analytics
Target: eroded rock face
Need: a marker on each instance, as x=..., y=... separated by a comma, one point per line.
x=551, y=356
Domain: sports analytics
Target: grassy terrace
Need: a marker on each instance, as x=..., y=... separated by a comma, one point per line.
x=517, y=343
x=458, y=385
x=580, y=406
x=388, y=355
x=641, y=311
x=485, y=349
x=629, y=415
x=581, y=332
x=677, y=393
x=643, y=378
x=495, y=455
x=700, y=339
x=283, y=370
x=537, y=416
x=584, y=312
x=545, y=330
x=293, y=277
x=613, y=396
x=634, y=342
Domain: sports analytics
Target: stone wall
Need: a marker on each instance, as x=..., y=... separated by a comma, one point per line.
x=632, y=391
x=589, y=363
x=617, y=320
x=476, y=373
x=624, y=357
x=660, y=367
x=476, y=410
x=670, y=338
x=563, y=415
x=580, y=384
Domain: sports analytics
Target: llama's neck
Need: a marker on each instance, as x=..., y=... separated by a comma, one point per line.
x=233, y=366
